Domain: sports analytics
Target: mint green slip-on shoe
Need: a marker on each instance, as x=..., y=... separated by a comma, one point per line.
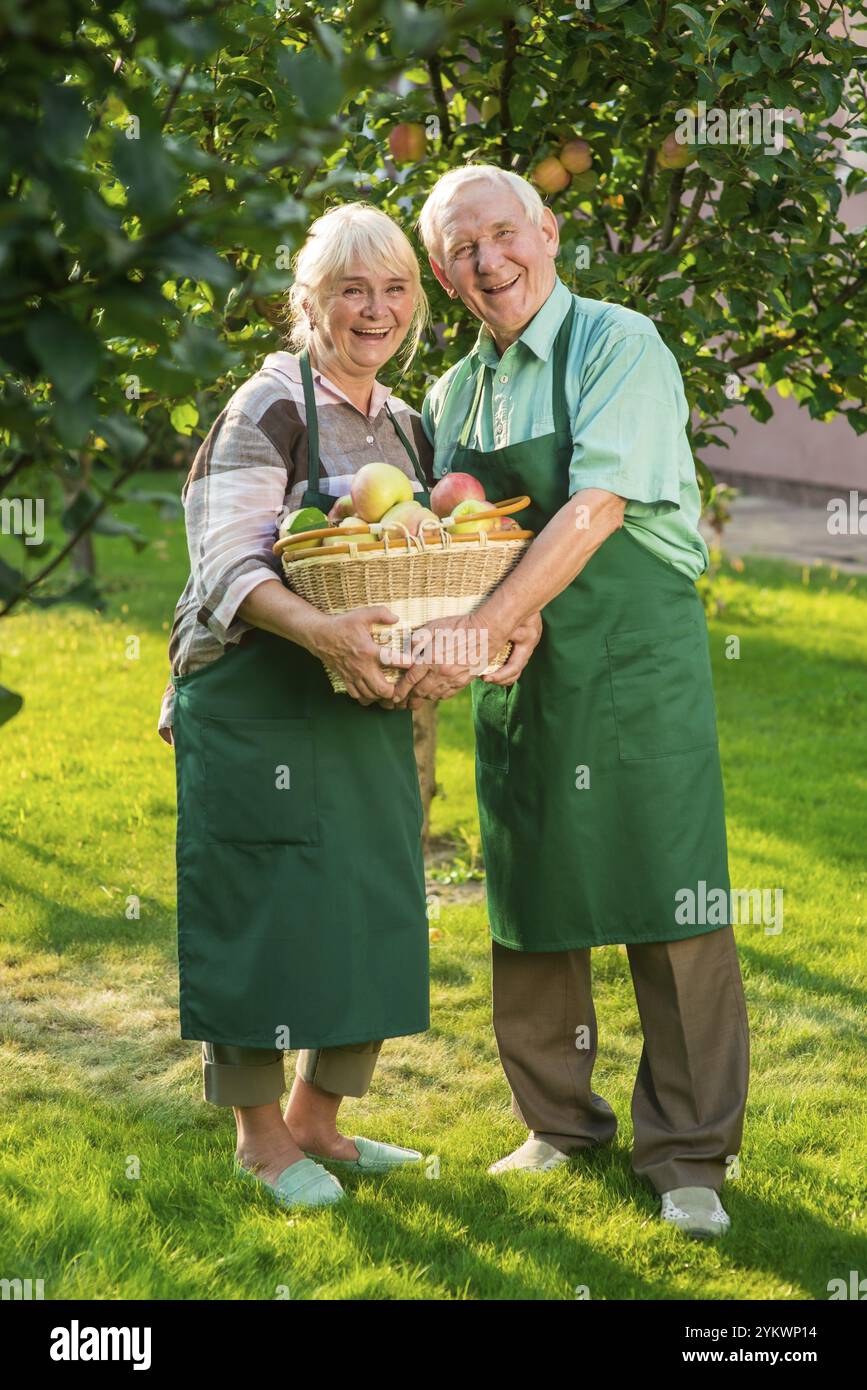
x=697, y=1211
x=302, y=1184
x=374, y=1157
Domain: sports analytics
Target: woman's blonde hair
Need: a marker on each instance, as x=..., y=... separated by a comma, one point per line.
x=342, y=235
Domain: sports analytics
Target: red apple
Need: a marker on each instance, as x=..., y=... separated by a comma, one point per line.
x=408, y=143
x=452, y=489
x=342, y=508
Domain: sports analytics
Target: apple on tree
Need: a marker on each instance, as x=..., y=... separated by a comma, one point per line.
x=407, y=143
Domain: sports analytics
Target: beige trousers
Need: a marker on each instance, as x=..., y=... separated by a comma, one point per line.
x=254, y=1075
x=690, y=1093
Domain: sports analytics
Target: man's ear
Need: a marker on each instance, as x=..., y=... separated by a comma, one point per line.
x=443, y=278
x=550, y=231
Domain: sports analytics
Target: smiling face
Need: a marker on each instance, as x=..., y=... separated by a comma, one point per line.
x=494, y=258
x=364, y=320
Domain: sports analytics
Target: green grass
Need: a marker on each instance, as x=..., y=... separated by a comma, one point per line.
x=97, y=1086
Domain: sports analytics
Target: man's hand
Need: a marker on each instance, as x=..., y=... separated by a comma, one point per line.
x=525, y=640
x=446, y=656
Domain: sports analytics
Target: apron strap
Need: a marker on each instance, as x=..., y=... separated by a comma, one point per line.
x=425, y=482
x=312, y=422
x=562, y=422
x=474, y=408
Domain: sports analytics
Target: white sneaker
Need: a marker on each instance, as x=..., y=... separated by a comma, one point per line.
x=534, y=1155
x=696, y=1210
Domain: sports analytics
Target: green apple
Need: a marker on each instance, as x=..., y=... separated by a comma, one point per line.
x=470, y=505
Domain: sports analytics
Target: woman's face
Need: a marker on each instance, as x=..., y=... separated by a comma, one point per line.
x=366, y=318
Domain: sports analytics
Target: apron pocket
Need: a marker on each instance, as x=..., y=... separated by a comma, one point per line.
x=490, y=716
x=662, y=688
x=260, y=781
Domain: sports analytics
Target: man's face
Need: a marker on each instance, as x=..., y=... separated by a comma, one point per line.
x=495, y=259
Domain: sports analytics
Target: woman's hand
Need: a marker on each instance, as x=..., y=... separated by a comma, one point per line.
x=525, y=640
x=344, y=642
x=446, y=656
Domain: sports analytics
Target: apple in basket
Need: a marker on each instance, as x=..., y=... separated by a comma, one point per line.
x=408, y=514
x=461, y=520
x=307, y=519
x=342, y=508
x=376, y=488
x=354, y=523
x=452, y=489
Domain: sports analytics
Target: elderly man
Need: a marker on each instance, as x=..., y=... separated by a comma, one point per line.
x=597, y=761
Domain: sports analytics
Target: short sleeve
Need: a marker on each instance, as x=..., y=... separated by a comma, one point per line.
x=628, y=426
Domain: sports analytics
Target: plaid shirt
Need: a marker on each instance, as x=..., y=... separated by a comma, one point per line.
x=250, y=470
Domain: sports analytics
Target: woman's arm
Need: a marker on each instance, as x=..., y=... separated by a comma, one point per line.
x=343, y=640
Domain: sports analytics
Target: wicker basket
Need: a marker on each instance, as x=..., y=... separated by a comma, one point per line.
x=420, y=578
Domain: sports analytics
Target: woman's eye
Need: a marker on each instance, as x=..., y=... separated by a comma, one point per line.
x=505, y=231
x=396, y=289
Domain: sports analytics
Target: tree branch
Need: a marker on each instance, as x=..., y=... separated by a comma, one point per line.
x=434, y=67
x=641, y=196
x=510, y=36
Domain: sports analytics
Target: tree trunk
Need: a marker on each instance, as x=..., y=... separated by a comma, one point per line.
x=424, y=731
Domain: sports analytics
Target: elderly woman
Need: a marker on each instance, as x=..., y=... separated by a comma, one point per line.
x=301, y=897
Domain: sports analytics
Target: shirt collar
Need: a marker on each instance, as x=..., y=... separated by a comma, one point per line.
x=288, y=365
x=540, y=332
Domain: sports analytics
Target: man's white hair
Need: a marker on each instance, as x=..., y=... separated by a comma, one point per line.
x=446, y=189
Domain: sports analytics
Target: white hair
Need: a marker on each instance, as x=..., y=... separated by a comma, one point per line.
x=352, y=231
x=446, y=188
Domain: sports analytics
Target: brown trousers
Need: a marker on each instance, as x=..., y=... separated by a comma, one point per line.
x=245, y=1076
x=690, y=1093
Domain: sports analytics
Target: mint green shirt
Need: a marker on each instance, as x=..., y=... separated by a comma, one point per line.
x=626, y=401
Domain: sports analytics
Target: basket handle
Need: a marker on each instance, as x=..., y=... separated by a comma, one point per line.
x=511, y=504
x=317, y=534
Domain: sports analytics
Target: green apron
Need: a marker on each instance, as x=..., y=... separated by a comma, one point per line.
x=301, y=891
x=598, y=776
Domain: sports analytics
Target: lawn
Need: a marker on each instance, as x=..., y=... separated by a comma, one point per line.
x=116, y=1176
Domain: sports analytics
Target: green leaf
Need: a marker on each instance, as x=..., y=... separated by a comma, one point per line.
x=70, y=354
x=10, y=704
x=184, y=417
x=65, y=123
x=832, y=90
x=145, y=168
x=183, y=256
x=123, y=433
x=74, y=420
x=316, y=83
